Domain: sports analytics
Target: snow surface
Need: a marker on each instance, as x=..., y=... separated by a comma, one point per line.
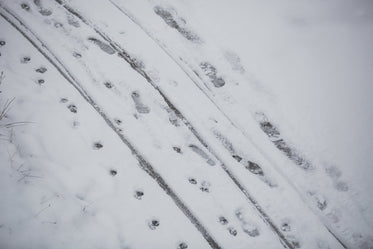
x=186, y=124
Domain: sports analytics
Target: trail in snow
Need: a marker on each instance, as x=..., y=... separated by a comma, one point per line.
x=209, y=157
x=146, y=166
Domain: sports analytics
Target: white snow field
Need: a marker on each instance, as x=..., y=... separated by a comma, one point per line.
x=139, y=124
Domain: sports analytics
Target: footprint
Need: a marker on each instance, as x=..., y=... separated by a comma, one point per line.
x=108, y=84
x=235, y=61
x=138, y=194
x=285, y=227
x=177, y=149
x=202, y=154
x=211, y=72
x=140, y=107
x=174, y=120
x=322, y=244
x=238, y=158
x=64, y=100
x=192, y=180
x=232, y=231
x=102, y=45
x=76, y=124
x=319, y=200
x=118, y=121
x=205, y=187
x=153, y=224
x=113, y=172
x=341, y=186
x=41, y=81
x=97, y=145
x=45, y=12
x=296, y=243
x=58, y=25
x=225, y=142
x=25, y=6
x=333, y=215
x=73, y=21
x=223, y=220
x=247, y=226
x=182, y=245
x=72, y=108
x=170, y=17
x=254, y=168
x=41, y=70
x=25, y=59
x=2, y=43
x=250, y=229
x=275, y=137
x=77, y=55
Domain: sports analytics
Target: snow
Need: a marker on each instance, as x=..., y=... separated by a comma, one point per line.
x=168, y=99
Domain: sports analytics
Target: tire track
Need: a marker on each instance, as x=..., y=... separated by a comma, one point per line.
x=144, y=164
x=133, y=63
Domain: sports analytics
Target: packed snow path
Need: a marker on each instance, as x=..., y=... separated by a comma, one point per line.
x=156, y=108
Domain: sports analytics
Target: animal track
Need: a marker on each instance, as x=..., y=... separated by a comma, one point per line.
x=41, y=81
x=202, y=154
x=25, y=59
x=2, y=43
x=153, y=224
x=72, y=108
x=140, y=107
x=118, y=121
x=138, y=194
x=192, y=180
x=25, y=6
x=211, y=72
x=64, y=100
x=97, y=145
x=113, y=172
x=205, y=187
x=223, y=220
x=177, y=149
x=108, y=84
x=232, y=231
x=77, y=55
x=41, y=70
x=285, y=227
x=182, y=245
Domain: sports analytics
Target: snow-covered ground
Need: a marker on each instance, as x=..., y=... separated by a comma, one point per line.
x=186, y=124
